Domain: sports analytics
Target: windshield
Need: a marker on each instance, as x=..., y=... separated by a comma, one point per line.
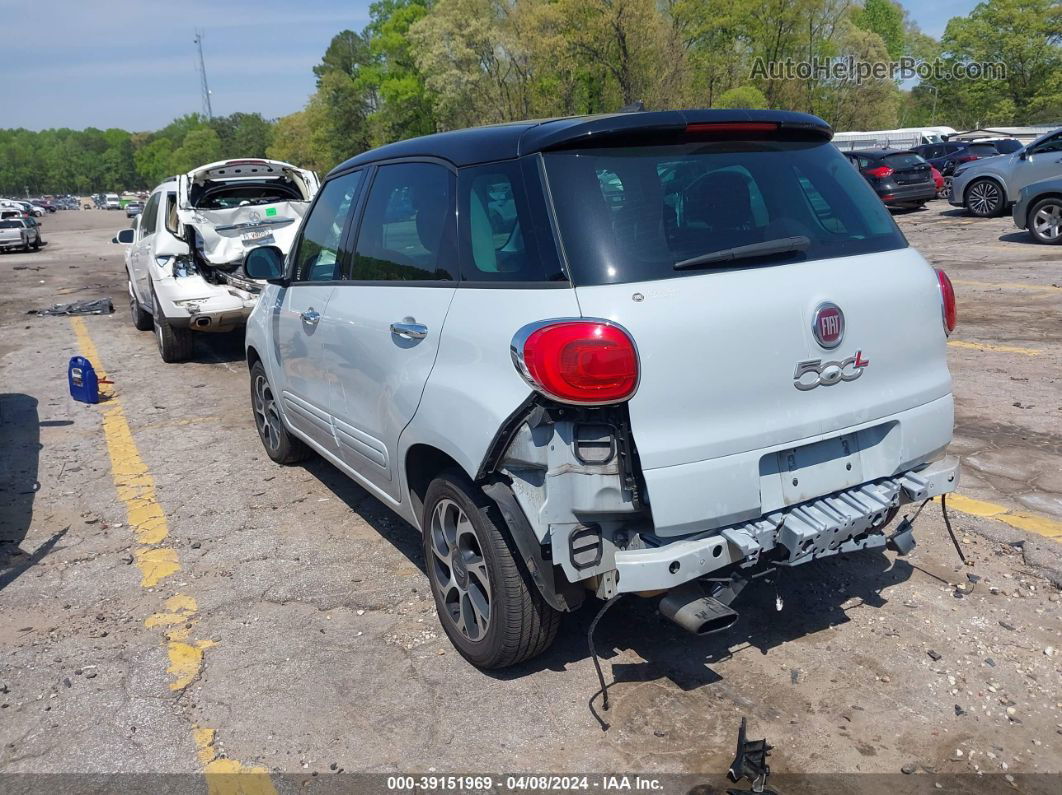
x=630, y=214
x=10, y=224
x=983, y=150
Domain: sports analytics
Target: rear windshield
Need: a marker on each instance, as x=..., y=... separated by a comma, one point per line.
x=903, y=160
x=228, y=196
x=984, y=150
x=630, y=214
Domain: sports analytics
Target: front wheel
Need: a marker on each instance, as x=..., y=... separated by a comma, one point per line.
x=279, y=444
x=141, y=319
x=491, y=611
x=1045, y=221
x=984, y=198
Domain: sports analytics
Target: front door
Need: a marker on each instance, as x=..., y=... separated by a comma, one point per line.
x=302, y=323
x=1042, y=161
x=387, y=321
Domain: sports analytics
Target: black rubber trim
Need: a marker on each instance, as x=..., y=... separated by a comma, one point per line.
x=504, y=437
x=566, y=597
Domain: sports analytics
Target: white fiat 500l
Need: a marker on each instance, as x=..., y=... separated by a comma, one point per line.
x=186, y=248
x=646, y=353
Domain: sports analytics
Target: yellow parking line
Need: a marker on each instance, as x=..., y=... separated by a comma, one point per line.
x=984, y=346
x=1041, y=525
x=1007, y=285
x=158, y=562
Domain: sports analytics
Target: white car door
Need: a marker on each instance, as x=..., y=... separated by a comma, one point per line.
x=302, y=324
x=144, y=249
x=386, y=322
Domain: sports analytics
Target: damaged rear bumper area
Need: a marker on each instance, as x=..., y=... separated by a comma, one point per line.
x=847, y=521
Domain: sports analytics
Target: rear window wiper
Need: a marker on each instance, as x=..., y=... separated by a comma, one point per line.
x=783, y=245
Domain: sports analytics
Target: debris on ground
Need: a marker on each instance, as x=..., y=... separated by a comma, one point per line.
x=96, y=306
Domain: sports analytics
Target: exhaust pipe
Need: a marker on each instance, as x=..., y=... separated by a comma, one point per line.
x=688, y=607
x=202, y=322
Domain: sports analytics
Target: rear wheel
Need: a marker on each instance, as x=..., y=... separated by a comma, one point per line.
x=984, y=198
x=494, y=616
x=141, y=319
x=1045, y=221
x=175, y=344
x=278, y=442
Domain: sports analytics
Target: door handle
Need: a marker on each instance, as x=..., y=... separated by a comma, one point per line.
x=310, y=317
x=409, y=329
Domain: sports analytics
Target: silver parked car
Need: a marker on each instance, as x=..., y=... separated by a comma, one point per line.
x=988, y=187
x=692, y=348
x=1039, y=209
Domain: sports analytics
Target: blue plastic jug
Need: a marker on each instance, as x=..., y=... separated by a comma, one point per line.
x=84, y=383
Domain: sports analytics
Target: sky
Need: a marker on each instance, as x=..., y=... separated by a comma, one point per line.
x=133, y=64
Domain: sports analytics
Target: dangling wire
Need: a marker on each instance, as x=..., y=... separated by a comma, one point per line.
x=593, y=651
x=947, y=524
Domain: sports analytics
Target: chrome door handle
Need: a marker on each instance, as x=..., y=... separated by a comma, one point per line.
x=409, y=329
x=310, y=317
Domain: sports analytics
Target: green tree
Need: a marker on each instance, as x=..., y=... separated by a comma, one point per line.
x=886, y=18
x=200, y=146
x=742, y=97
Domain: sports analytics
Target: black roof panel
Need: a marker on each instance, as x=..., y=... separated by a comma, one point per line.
x=507, y=141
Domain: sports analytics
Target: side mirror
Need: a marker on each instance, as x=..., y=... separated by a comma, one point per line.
x=1023, y=154
x=125, y=237
x=266, y=263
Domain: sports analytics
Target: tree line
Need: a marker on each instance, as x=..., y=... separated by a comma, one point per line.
x=421, y=66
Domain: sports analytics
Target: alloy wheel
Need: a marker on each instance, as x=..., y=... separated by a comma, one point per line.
x=460, y=570
x=984, y=198
x=266, y=414
x=1048, y=221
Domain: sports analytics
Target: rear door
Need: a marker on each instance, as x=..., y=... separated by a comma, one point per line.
x=725, y=348
x=142, y=254
x=302, y=324
x=386, y=322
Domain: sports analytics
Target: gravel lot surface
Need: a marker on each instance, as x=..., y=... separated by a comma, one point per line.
x=278, y=619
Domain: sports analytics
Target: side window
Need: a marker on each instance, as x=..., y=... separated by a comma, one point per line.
x=497, y=233
x=1052, y=144
x=317, y=256
x=171, y=214
x=407, y=228
x=151, y=216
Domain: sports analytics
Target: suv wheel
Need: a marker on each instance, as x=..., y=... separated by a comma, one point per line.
x=277, y=440
x=141, y=319
x=984, y=198
x=1045, y=221
x=175, y=344
x=494, y=616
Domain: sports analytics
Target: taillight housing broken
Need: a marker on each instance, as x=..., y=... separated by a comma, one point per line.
x=585, y=362
x=948, y=310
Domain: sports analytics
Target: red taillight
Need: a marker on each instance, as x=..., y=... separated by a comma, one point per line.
x=947, y=300
x=579, y=361
x=732, y=127
x=880, y=171
x=966, y=158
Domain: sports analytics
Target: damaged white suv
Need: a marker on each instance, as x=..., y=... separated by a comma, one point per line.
x=186, y=249
x=648, y=353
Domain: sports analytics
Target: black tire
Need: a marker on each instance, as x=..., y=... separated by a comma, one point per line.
x=1045, y=221
x=175, y=344
x=37, y=243
x=984, y=198
x=279, y=444
x=519, y=624
x=141, y=318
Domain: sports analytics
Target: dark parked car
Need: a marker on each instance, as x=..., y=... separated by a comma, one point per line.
x=900, y=178
x=946, y=156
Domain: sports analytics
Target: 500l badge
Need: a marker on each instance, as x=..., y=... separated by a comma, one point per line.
x=816, y=372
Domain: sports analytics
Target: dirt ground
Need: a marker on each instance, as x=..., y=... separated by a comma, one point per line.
x=260, y=618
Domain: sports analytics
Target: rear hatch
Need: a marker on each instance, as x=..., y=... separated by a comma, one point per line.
x=721, y=343
x=908, y=168
x=234, y=205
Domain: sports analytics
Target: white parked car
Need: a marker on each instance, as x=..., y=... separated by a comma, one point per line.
x=186, y=249
x=112, y=202
x=648, y=353
x=14, y=233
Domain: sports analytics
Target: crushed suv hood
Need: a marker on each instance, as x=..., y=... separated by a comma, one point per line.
x=223, y=235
